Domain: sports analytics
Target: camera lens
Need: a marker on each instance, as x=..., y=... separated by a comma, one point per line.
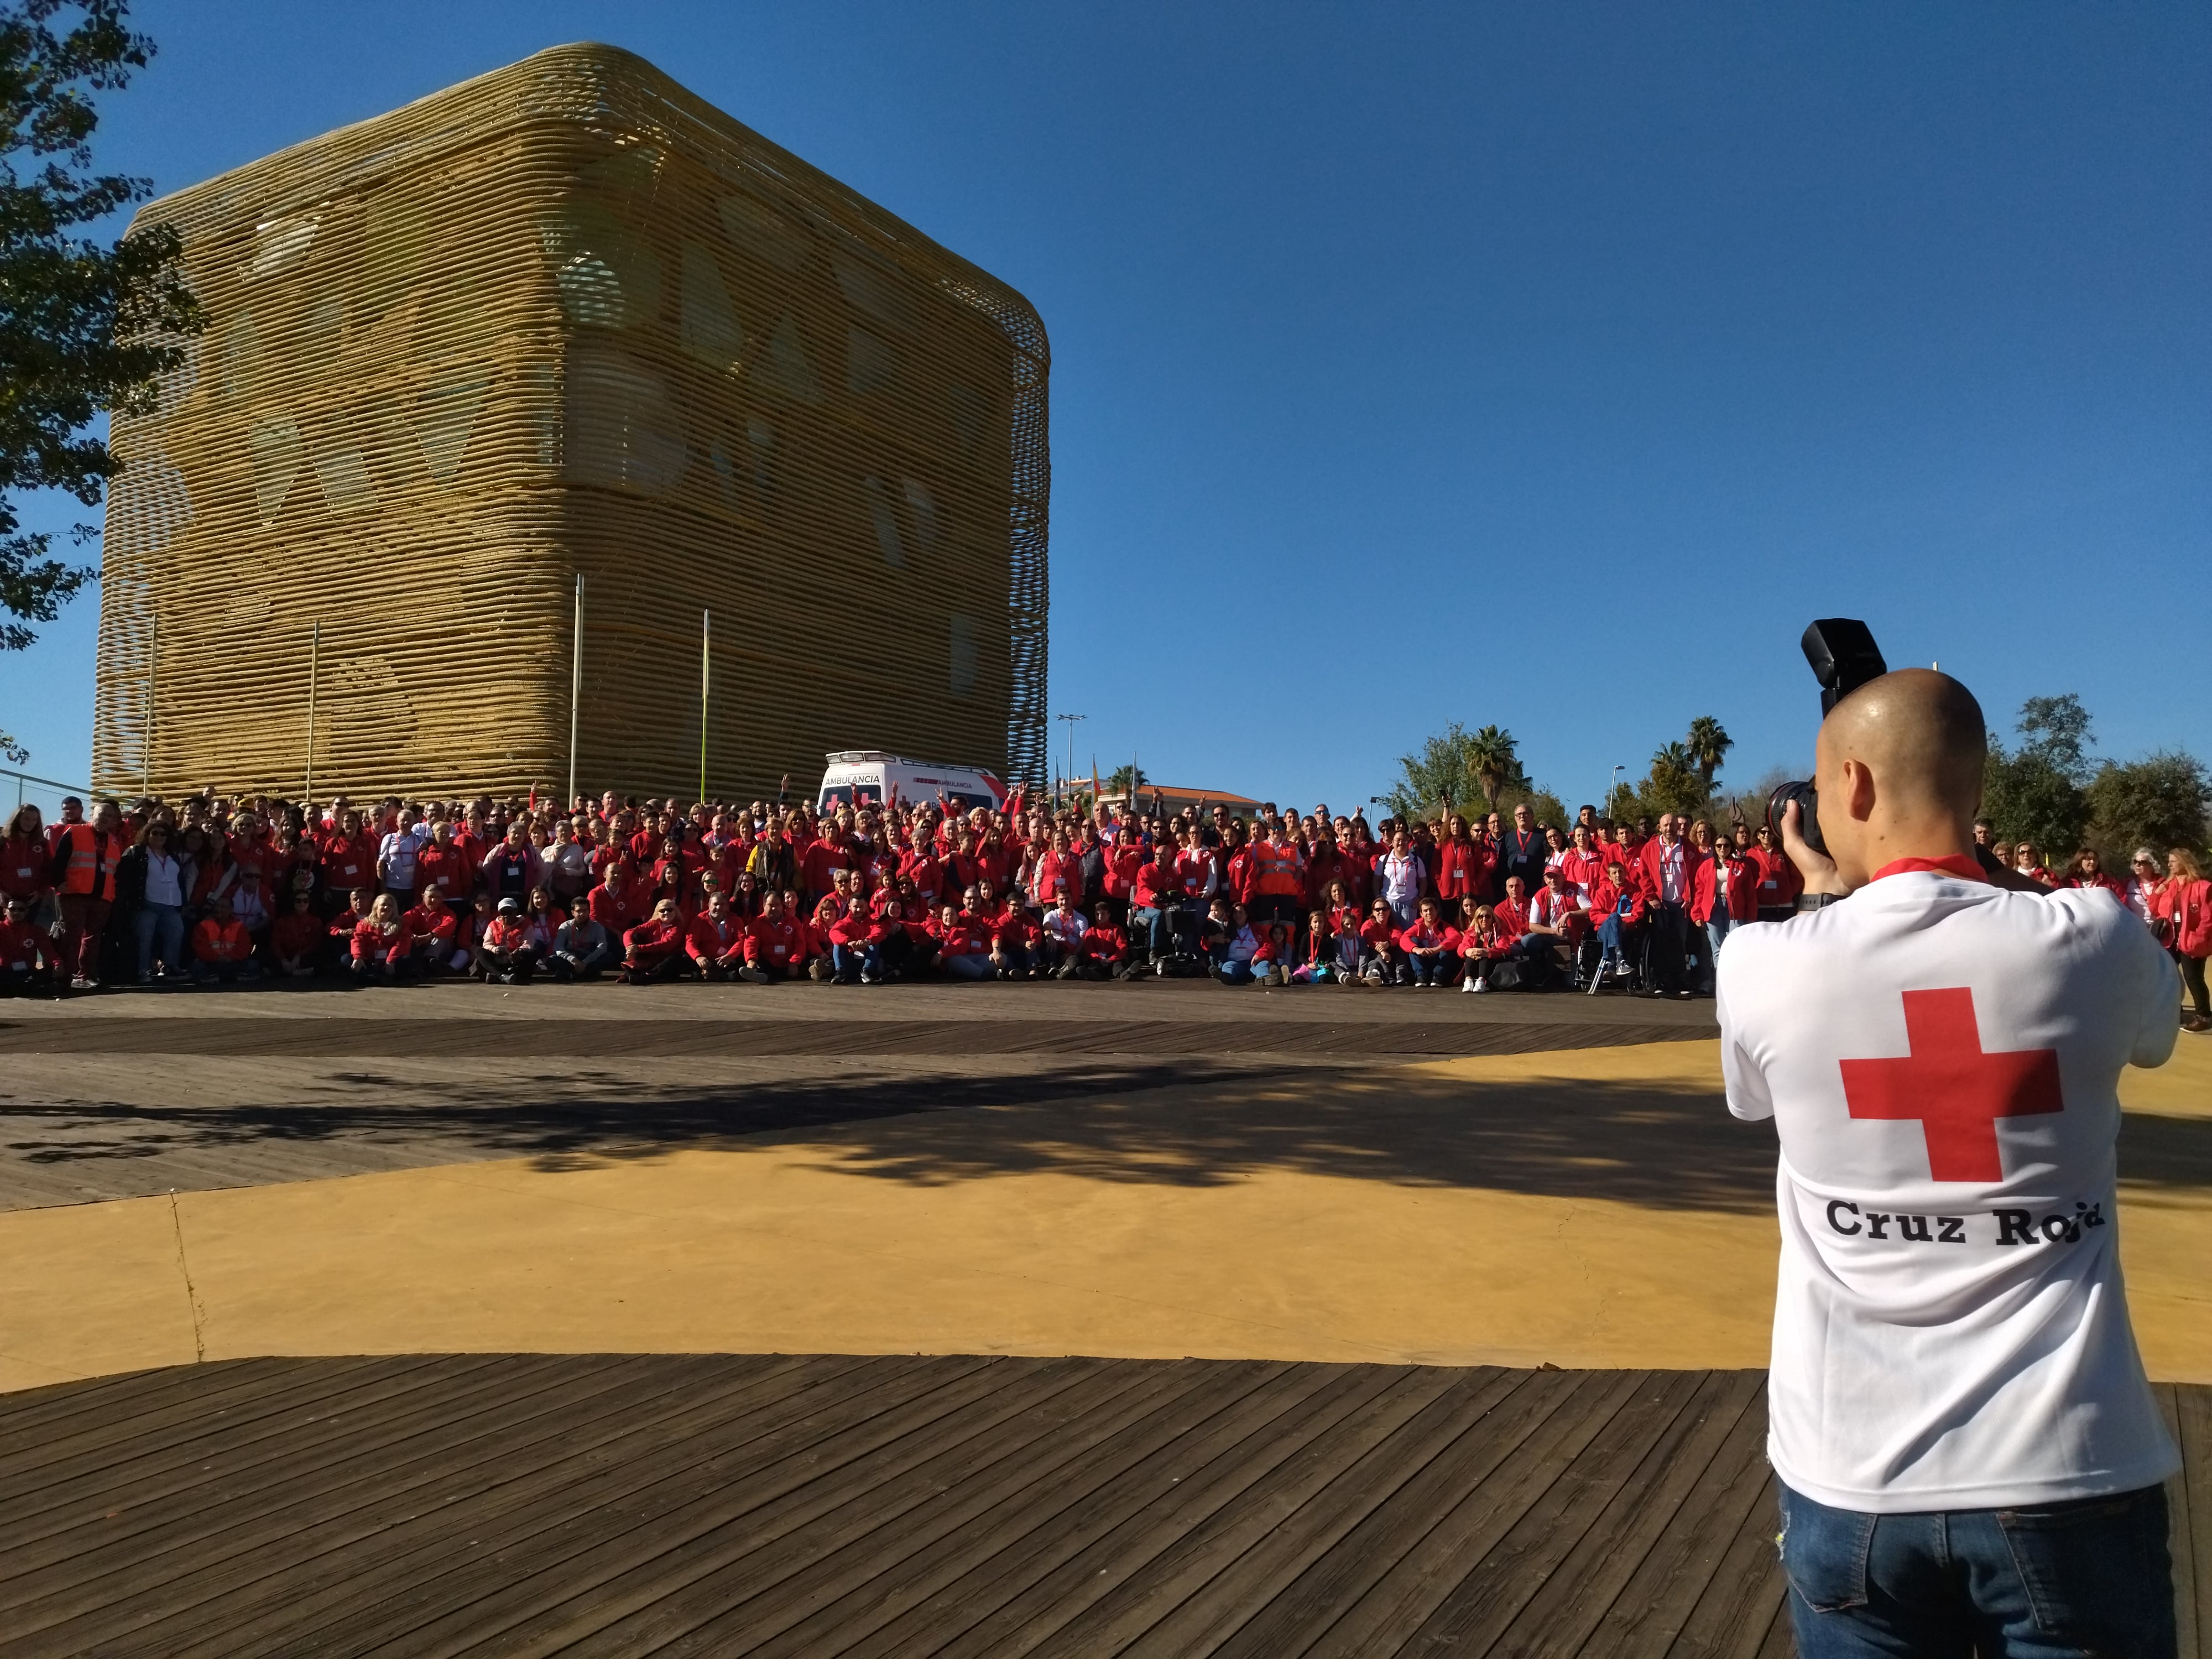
x=1808, y=798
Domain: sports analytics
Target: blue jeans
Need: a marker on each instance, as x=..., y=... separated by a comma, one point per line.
x=167, y=923
x=2044, y=1582
x=1717, y=929
x=1164, y=928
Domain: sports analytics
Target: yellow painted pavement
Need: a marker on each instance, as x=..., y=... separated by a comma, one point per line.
x=1290, y=1224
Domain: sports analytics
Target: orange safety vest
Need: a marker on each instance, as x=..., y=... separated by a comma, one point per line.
x=88, y=871
x=1275, y=868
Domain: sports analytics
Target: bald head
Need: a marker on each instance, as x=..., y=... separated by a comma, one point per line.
x=1919, y=732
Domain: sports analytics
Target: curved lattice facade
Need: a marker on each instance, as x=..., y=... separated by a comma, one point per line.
x=568, y=319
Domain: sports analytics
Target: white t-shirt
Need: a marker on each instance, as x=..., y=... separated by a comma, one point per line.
x=1942, y=1058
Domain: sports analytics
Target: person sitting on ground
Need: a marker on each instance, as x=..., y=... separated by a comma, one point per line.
x=295, y=940
x=653, y=950
x=777, y=944
x=848, y=936
x=582, y=948
x=963, y=951
x=434, y=925
x=1378, y=944
x=222, y=950
x=383, y=946
x=1482, y=946
x=716, y=941
x=1274, y=955
x=26, y=953
x=1318, y=965
x=1241, y=945
x=1064, y=927
x=1429, y=947
x=1103, y=952
x=512, y=947
x=1015, y=942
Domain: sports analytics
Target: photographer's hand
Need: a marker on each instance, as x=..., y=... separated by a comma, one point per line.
x=1818, y=869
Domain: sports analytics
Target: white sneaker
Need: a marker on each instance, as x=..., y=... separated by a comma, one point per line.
x=1480, y=986
x=80, y=983
x=1470, y=985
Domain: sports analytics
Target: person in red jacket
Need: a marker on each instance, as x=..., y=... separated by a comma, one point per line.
x=222, y=948
x=25, y=857
x=2185, y=901
x=963, y=949
x=1617, y=903
x=434, y=925
x=776, y=945
x=1480, y=945
x=653, y=950
x=1103, y=952
x=26, y=953
x=296, y=938
x=346, y=859
x=382, y=944
x=1779, y=883
x=1014, y=945
x=849, y=936
x=1378, y=946
x=1429, y=947
x=1668, y=871
x=612, y=903
x=716, y=941
x=2089, y=871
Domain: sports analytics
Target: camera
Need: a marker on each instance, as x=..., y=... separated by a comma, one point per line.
x=1844, y=657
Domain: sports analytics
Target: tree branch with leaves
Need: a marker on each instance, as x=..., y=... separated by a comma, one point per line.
x=87, y=328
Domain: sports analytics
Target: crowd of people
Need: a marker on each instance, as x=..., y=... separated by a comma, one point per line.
x=209, y=891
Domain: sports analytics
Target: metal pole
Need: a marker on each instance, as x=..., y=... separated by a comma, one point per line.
x=706, y=653
x=146, y=760
x=315, y=665
x=575, y=686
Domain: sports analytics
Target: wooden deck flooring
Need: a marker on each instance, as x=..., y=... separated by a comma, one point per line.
x=621, y=1504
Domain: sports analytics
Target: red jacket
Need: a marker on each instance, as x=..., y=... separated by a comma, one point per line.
x=1462, y=869
x=1605, y=900
x=2188, y=906
x=348, y=864
x=1779, y=882
x=617, y=913
x=652, y=938
x=1155, y=887
x=1743, y=877
x=23, y=862
x=25, y=945
x=372, y=944
x=709, y=940
x=1103, y=943
x=1647, y=860
x=433, y=927
x=295, y=935
x=778, y=941
x=1512, y=919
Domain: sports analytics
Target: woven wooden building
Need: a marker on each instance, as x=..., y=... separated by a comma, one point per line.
x=567, y=320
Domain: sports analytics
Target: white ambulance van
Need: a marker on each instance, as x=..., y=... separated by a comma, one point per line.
x=869, y=777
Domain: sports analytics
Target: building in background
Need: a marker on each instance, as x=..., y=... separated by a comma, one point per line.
x=562, y=320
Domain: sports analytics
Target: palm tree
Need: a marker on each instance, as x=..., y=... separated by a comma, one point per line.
x=1708, y=746
x=1493, y=761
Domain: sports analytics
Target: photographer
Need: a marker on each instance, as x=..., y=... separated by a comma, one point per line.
x=1969, y=1454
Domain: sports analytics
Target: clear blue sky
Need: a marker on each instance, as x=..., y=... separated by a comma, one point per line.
x=1543, y=365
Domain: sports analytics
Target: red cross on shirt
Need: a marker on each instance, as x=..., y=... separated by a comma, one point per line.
x=1957, y=1091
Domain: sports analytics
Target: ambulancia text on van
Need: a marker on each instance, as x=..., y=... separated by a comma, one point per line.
x=869, y=777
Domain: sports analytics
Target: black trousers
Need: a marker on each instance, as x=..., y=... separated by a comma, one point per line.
x=1666, y=947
